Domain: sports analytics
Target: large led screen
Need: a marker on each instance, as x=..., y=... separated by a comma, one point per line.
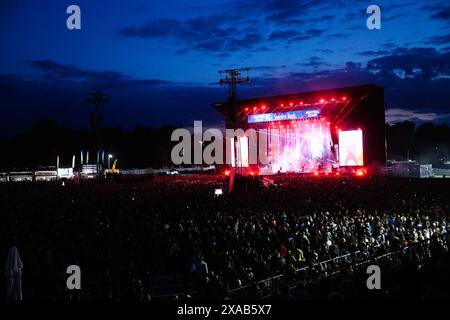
x=351, y=148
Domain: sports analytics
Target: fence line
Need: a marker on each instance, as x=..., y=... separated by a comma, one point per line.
x=271, y=286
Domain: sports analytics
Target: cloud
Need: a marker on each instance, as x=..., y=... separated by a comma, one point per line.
x=284, y=34
x=338, y=35
x=293, y=35
x=223, y=55
x=234, y=30
x=55, y=72
x=326, y=51
x=286, y=11
x=427, y=63
x=395, y=115
x=313, y=62
x=299, y=38
x=394, y=11
x=439, y=39
x=153, y=29
x=371, y=53
x=268, y=68
x=442, y=13
x=315, y=32
x=203, y=33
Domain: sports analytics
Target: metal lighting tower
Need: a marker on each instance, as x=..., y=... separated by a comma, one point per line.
x=232, y=77
x=96, y=100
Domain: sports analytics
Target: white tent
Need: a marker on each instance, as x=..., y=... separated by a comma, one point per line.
x=13, y=274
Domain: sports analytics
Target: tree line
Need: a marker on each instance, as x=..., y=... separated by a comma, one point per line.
x=145, y=146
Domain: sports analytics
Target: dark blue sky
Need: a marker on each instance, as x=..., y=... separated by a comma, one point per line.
x=158, y=60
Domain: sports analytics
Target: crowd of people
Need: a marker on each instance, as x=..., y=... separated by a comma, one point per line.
x=173, y=234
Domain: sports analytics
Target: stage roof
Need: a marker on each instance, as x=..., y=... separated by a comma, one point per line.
x=332, y=103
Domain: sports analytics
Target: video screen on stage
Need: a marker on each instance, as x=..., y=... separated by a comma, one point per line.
x=243, y=152
x=351, y=148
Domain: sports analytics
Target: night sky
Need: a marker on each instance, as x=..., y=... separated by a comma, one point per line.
x=158, y=60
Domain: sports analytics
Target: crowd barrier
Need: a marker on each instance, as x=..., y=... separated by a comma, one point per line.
x=416, y=253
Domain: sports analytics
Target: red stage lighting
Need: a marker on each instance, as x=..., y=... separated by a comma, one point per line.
x=333, y=99
x=281, y=105
x=246, y=109
x=360, y=173
x=337, y=173
x=251, y=173
x=316, y=173
x=344, y=98
x=227, y=172
x=322, y=100
x=263, y=107
x=291, y=104
x=301, y=102
x=255, y=108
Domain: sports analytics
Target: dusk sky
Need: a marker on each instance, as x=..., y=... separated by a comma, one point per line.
x=159, y=60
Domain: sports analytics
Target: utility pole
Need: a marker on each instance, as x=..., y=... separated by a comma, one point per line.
x=233, y=77
x=96, y=100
